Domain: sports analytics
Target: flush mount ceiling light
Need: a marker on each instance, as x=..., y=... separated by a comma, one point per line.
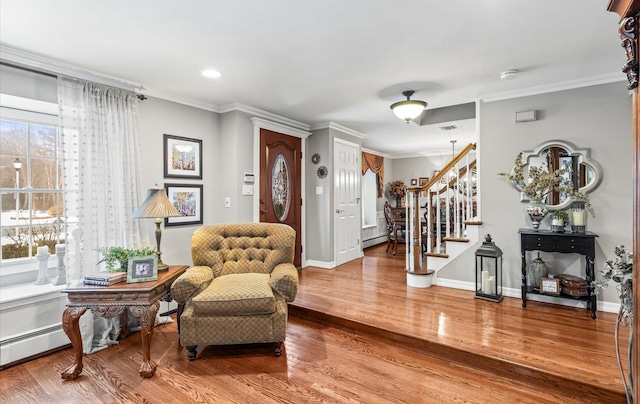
x=409, y=109
x=211, y=73
x=508, y=75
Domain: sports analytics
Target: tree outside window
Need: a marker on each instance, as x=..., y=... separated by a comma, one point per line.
x=31, y=191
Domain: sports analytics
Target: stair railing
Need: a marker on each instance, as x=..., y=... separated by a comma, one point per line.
x=449, y=200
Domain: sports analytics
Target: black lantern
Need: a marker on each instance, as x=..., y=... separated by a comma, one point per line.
x=489, y=271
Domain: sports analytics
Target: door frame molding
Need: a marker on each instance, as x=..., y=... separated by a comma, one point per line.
x=259, y=123
x=333, y=200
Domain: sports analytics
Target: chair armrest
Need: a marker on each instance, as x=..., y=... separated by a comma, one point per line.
x=284, y=281
x=190, y=283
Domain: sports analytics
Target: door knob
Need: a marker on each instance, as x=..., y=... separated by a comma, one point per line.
x=263, y=211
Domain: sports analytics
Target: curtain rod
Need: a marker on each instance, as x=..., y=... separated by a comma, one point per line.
x=28, y=62
x=28, y=69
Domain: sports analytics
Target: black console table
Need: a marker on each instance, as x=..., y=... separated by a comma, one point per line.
x=545, y=240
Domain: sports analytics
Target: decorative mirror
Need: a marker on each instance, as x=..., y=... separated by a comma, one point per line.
x=581, y=172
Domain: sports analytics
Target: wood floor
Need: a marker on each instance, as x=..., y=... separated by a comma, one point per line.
x=358, y=334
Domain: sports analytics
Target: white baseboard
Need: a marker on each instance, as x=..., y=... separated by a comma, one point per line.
x=607, y=307
x=321, y=264
x=15, y=348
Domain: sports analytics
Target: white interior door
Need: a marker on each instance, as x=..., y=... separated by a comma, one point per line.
x=347, y=201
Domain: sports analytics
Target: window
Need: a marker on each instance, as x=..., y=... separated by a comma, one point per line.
x=30, y=178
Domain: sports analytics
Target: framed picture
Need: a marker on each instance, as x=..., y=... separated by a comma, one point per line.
x=188, y=200
x=414, y=182
x=550, y=286
x=142, y=269
x=423, y=181
x=182, y=157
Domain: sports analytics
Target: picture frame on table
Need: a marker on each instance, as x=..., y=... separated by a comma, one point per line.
x=142, y=269
x=550, y=286
x=182, y=157
x=187, y=198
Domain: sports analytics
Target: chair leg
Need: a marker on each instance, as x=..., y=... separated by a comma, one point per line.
x=191, y=352
x=277, y=348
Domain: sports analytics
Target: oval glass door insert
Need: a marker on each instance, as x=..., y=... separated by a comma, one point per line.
x=280, y=187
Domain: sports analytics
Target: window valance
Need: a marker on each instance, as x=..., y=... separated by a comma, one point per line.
x=374, y=163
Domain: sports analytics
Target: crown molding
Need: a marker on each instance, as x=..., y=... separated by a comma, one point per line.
x=279, y=127
x=264, y=114
x=550, y=88
x=21, y=58
x=377, y=153
x=343, y=129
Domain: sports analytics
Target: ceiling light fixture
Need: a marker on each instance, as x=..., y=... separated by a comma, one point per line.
x=211, y=73
x=409, y=109
x=508, y=75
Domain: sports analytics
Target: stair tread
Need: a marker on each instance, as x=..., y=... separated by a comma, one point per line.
x=473, y=222
x=437, y=255
x=456, y=239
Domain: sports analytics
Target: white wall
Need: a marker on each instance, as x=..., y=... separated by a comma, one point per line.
x=158, y=117
x=597, y=117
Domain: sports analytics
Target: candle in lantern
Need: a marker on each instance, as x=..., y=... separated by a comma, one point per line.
x=577, y=217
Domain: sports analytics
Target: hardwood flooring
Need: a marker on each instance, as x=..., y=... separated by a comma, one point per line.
x=358, y=334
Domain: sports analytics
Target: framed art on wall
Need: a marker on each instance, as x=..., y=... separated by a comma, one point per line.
x=182, y=157
x=187, y=198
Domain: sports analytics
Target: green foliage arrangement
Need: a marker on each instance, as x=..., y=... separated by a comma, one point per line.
x=562, y=214
x=540, y=181
x=620, y=270
x=117, y=258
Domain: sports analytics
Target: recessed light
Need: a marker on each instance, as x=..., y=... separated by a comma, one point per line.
x=211, y=73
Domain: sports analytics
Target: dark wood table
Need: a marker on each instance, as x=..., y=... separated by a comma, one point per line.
x=142, y=299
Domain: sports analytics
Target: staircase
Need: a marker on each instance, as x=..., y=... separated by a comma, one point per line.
x=442, y=218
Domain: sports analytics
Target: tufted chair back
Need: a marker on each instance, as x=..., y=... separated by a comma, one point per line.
x=242, y=247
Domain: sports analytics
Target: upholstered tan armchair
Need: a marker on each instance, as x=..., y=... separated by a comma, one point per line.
x=238, y=288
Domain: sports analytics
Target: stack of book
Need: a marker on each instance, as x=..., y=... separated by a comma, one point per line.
x=105, y=278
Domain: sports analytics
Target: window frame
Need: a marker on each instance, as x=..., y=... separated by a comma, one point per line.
x=30, y=111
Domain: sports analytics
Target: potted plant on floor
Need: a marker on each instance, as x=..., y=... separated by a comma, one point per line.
x=620, y=270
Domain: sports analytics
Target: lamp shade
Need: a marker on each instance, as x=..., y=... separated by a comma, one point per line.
x=156, y=205
x=408, y=109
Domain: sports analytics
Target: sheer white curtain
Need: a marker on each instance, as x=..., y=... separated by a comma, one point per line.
x=101, y=169
x=101, y=151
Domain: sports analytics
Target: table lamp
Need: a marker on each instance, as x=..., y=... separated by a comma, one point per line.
x=157, y=206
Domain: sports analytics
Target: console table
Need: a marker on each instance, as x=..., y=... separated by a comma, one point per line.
x=142, y=299
x=547, y=241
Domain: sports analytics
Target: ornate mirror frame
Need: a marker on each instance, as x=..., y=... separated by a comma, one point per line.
x=571, y=150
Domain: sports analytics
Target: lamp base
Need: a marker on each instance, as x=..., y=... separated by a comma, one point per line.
x=162, y=266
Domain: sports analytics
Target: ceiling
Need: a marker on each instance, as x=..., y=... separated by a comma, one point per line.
x=340, y=61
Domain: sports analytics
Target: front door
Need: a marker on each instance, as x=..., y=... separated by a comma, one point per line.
x=347, y=202
x=280, y=183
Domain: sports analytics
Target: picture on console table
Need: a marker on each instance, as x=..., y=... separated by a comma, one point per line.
x=187, y=199
x=182, y=157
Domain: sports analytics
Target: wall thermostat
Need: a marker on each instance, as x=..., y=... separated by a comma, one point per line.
x=248, y=177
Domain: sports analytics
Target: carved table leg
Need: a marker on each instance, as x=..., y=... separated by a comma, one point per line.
x=70, y=319
x=147, y=317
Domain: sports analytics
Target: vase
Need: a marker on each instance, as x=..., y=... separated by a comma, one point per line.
x=537, y=210
x=537, y=270
x=398, y=202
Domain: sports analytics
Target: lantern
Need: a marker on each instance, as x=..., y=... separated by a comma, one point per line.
x=489, y=271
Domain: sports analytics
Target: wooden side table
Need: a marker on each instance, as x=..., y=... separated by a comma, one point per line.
x=142, y=299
